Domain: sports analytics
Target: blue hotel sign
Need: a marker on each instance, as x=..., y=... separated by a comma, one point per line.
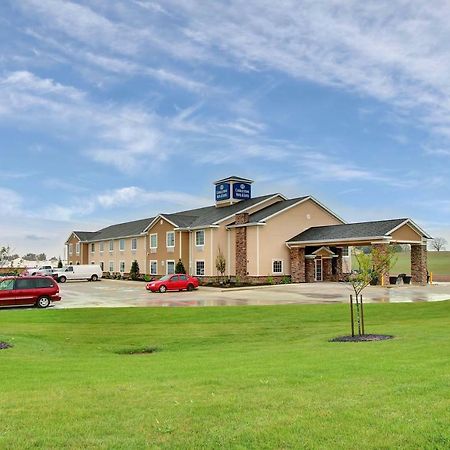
x=242, y=191
x=223, y=191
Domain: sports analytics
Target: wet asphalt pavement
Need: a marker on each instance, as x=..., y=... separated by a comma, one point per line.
x=114, y=293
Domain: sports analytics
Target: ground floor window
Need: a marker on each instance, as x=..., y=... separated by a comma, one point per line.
x=199, y=268
x=122, y=266
x=102, y=264
x=277, y=266
x=170, y=266
x=154, y=267
x=111, y=266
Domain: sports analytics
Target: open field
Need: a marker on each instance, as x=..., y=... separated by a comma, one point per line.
x=234, y=377
x=438, y=263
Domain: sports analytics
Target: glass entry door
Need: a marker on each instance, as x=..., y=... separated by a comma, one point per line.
x=318, y=269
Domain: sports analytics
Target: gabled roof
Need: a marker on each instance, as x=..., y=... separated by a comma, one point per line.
x=125, y=229
x=269, y=211
x=233, y=178
x=211, y=215
x=84, y=235
x=360, y=230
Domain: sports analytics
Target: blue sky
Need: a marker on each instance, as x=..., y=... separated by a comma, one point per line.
x=116, y=110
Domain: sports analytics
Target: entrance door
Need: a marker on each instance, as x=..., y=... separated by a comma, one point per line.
x=318, y=269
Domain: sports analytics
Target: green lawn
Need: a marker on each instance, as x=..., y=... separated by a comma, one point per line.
x=438, y=263
x=234, y=377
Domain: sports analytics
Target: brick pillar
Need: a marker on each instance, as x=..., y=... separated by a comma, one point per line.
x=297, y=257
x=419, y=263
x=338, y=264
x=309, y=270
x=327, y=269
x=385, y=276
x=241, y=246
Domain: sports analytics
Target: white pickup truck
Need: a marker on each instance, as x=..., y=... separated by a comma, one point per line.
x=43, y=270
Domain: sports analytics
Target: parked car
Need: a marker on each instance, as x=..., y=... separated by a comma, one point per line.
x=28, y=290
x=91, y=272
x=43, y=270
x=176, y=282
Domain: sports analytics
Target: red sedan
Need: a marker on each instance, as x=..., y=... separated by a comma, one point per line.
x=176, y=282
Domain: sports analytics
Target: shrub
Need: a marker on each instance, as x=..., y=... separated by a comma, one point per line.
x=134, y=271
x=270, y=280
x=179, y=268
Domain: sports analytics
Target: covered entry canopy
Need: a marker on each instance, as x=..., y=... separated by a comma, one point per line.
x=380, y=233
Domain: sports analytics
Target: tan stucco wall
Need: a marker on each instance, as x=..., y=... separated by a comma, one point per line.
x=180, y=251
x=82, y=258
x=406, y=233
x=273, y=236
x=116, y=256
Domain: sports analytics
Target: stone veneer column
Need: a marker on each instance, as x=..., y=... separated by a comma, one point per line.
x=338, y=263
x=385, y=276
x=241, y=245
x=309, y=270
x=297, y=257
x=419, y=263
x=327, y=269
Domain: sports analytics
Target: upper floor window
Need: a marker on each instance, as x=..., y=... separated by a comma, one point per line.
x=77, y=248
x=92, y=248
x=133, y=244
x=70, y=249
x=122, y=245
x=200, y=238
x=170, y=239
x=101, y=247
x=154, y=240
x=111, y=246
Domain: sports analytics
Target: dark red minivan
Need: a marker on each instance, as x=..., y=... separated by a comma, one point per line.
x=38, y=291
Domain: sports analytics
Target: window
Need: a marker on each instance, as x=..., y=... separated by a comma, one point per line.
x=122, y=245
x=102, y=265
x=6, y=285
x=43, y=283
x=277, y=266
x=101, y=246
x=77, y=248
x=200, y=238
x=170, y=239
x=154, y=241
x=170, y=267
x=111, y=266
x=134, y=244
x=345, y=251
x=183, y=277
x=70, y=249
x=122, y=266
x=24, y=283
x=200, y=268
x=153, y=267
x=111, y=246
x=92, y=248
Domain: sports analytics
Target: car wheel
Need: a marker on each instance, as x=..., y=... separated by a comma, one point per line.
x=43, y=302
x=62, y=279
x=162, y=289
x=190, y=287
x=94, y=278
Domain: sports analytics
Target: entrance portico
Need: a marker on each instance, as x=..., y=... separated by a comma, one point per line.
x=327, y=243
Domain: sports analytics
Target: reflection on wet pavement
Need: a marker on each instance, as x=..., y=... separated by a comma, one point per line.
x=114, y=293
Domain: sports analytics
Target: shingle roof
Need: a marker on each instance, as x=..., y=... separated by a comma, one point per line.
x=348, y=231
x=190, y=218
x=85, y=235
x=119, y=230
x=211, y=214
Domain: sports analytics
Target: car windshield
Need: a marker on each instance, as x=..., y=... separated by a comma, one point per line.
x=165, y=278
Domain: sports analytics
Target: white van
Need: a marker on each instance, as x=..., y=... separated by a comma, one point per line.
x=91, y=272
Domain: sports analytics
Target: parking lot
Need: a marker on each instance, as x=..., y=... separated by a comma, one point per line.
x=114, y=293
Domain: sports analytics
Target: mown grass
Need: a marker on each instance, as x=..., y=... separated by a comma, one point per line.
x=235, y=377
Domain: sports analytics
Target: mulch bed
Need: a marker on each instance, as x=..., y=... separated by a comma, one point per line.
x=363, y=338
x=4, y=345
